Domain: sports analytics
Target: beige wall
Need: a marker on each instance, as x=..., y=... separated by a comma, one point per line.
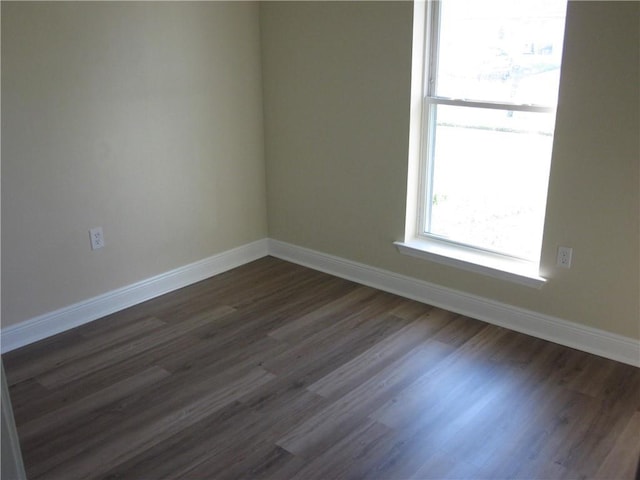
x=336, y=95
x=142, y=118
x=146, y=119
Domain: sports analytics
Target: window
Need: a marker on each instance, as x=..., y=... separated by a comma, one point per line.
x=485, y=86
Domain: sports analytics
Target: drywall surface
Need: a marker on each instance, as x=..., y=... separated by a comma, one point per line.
x=336, y=79
x=142, y=118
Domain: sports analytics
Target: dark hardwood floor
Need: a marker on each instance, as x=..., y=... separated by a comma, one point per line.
x=273, y=370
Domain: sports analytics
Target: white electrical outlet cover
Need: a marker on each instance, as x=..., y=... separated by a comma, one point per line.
x=97, y=238
x=564, y=257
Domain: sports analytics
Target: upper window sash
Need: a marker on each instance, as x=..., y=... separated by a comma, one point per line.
x=432, y=37
x=468, y=46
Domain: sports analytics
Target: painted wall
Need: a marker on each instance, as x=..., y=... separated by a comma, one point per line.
x=146, y=119
x=142, y=118
x=336, y=101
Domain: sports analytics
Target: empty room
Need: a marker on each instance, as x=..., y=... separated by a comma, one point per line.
x=320, y=240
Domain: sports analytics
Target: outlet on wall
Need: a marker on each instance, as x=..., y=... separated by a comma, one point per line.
x=97, y=238
x=564, y=257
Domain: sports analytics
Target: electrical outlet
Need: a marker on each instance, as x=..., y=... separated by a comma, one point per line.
x=564, y=257
x=97, y=238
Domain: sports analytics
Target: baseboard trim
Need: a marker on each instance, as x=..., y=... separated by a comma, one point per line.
x=563, y=332
x=43, y=326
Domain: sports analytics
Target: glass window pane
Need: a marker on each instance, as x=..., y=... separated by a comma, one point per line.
x=500, y=50
x=490, y=173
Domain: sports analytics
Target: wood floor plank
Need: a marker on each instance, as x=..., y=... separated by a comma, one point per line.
x=66, y=414
x=251, y=446
x=57, y=358
x=258, y=318
x=412, y=310
x=351, y=456
x=541, y=432
x=282, y=393
x=68, y=372
x=16, y=360
x=463, y=413
x=224, y=442
x=115, y=321
x=621, y=461
x=23, y=395
x=459, y=330
x=345, y=330
x=209, y=355
x=458, y=374
x=253, y=438
x=265, y=281
x=355, y=372
x=445, y=466
x=273, y=370
x=114, y=372
x=237, y=287
x=323, y=317
x=112, y=449
x=323, y=429
x=172, y=394
x=230, y=457
x=189, y=447
x=276, y=463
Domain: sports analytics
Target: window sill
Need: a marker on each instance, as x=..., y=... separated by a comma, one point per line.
x=503, y=268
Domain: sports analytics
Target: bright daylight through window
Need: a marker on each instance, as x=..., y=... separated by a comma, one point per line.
x=491, y=71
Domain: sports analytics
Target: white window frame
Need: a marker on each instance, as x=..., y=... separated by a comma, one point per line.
x=417, y=242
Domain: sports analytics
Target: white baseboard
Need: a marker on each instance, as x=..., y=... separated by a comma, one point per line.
x=592, y=340
x=563, y=332
x=38, y=328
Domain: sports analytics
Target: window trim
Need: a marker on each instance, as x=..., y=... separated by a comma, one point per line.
x=423, y=245
x=493, y=265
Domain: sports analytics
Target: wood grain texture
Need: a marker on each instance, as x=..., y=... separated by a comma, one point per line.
x=272, y=370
